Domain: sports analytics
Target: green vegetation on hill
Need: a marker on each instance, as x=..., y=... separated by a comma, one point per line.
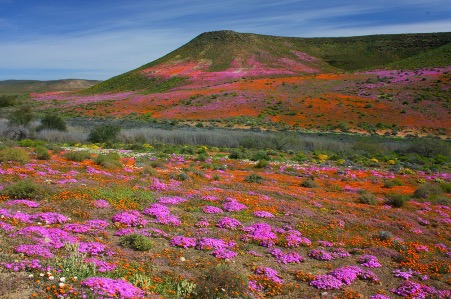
x=221, y=48
x=440, y=57
x=12, y=87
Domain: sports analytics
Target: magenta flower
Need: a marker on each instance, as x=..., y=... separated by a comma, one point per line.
x=92, y=248
x=260, y=233
x=101, y=204
x=101, y=266
x=270, y=274
x=286, y=258
x=263, y=214
x=212, y=210
x=326, y=282
x=182, y=241
x=211, y=243
x=106, y=288
x=130, y=218
x=174, y=200
x=232, y=205
x=223, y=253
x=35, y=250
x=228, y=223
x=51, y=218
x=25, y=202
x=369, y=261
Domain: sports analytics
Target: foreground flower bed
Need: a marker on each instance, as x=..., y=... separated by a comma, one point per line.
x=275, y=237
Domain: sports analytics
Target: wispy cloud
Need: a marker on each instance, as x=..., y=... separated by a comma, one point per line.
x=103, y=38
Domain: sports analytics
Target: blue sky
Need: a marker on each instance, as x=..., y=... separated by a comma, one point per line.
x=98, y=39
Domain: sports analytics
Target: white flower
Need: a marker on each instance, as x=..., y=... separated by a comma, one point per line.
x=31, y=276
x=41, y=274
x=51, y=277
x=62, y=279
x=61, y=284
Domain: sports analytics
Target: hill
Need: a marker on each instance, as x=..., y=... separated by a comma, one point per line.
x=35, y=86
x=389, y=84
x=218, y=55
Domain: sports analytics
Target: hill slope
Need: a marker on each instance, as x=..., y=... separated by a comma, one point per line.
x=35, y=86
x=215, y=56
x=384, y=84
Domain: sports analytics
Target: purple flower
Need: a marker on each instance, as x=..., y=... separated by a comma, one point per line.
x=232, y=205
x=130, y=218
x=25, y=202
x=211, y=243
x=223, y=253
x=101, y=266
x=406, y=274
x=93, y=248
x=320, y=255
x=174, y=200
x=260, y=233
x=286, y=258
x=46, y=236
x=379, y=296
x=158, y=186
x=346, y=274
x=212, y=210
x=270, y=274
x=51, y=218
x=6, y=227
x=414, y=290
x=182, y=241
x=369, y=261
x=326, y=282
x=33, y=249
x=294, y=238
x=101, y=204
x=157, y=210
x=105, y=288
x=229, y=223
x=263, y=214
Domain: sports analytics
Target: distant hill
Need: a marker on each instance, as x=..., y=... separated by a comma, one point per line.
x=219, y=55
x=385, y=84
x=35, y=86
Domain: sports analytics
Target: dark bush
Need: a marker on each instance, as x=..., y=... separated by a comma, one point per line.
x=77, y=156
x=366, y=197
x=309, y=183
x=428, y=190
x=262, y=164
x=221, y=282
x=254, y=178
x=52, y=122
x=42, y=153
x=109, y=161
x=393, y=183
x=21, y=116
x=235, y=154
x=104, y=134
x=7, y=100
x=136, y=242
x=14, y=154
x=25, y=189
x=397, y=200
x=260, y=155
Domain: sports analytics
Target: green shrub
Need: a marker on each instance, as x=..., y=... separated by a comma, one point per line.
x=14, y=154
x=393, y=183
x=77, y=156
x=368, y=198
x=300, y=157
x=397, y=200
x=221, y=282
x=42, y=153
x=236, y=155
x=309, y=183
x=262, y=164
x=446, y=187
x=104, y=134
x=254, y=178
x=31, y=143
x=21, y=116
x=180, y=176
x=260, y=155
x=428, y=190
x=384, y=235
x=136, y=242
x=7, y=100
x=109, y=161
x=25, y=189
x=52, y=122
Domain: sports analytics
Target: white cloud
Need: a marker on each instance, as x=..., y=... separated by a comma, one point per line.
x=109, y=54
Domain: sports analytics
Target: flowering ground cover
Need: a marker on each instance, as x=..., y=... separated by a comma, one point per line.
x=84, y=231
x=382, y=100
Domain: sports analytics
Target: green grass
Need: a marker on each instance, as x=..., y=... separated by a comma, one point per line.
x=334, y=54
